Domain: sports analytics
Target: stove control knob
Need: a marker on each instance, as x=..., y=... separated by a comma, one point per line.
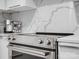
x=14, y=39
x=48, y=42
x=40, y=42
x=9, y=38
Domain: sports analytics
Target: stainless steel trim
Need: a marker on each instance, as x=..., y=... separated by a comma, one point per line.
x=14, y=6
x=31, y=51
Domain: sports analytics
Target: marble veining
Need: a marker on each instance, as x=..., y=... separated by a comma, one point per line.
x=52, y=14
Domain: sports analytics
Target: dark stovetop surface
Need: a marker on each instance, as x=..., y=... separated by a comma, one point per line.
x=60, y=34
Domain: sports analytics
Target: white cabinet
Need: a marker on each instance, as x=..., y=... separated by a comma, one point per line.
x=3, y=48
x=19, y=5
x=77, y=10
x=68, y=51
x=2, y=4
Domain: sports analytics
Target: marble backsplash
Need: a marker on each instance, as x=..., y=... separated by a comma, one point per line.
x=54, y=18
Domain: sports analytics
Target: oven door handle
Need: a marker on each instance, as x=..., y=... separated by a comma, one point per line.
x=39, y=53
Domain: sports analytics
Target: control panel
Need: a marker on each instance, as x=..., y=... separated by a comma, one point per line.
x=39, y=41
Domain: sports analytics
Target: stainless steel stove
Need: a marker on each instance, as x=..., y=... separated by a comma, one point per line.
x=33, y=46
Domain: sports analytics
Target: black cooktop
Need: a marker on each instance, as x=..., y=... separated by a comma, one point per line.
x=47, y=33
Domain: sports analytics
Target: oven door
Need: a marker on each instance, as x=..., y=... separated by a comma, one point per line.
x=22, y=52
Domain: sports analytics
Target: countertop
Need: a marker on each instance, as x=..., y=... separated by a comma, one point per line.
x=4, y=34
x=25, y=34
x=72, y=39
